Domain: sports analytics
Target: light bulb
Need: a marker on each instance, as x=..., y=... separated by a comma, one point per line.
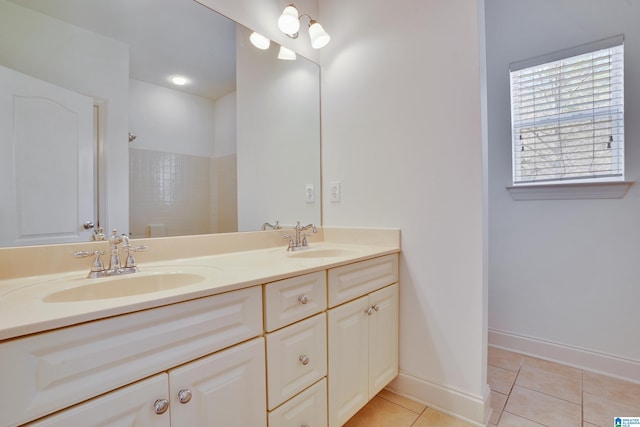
x=317, y=34
x=259, y=41
x=179, y=80
x=288, y=22
x=286, y=54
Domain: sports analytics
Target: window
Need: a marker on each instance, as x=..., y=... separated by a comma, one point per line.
x=567, y=115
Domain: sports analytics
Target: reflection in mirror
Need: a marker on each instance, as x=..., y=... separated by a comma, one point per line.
x=92, y=129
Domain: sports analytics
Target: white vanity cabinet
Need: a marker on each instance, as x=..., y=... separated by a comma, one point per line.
x=51, y=371
x=225, y=389
x=362, y=334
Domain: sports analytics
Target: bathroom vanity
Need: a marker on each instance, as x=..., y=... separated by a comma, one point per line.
x=252, y=335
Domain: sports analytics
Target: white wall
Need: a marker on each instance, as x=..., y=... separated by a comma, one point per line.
x=169, y=120
x=401, y=122
x=84, y=62
x=563, y=273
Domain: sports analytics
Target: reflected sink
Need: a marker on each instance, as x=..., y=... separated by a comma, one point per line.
x=122, y=286
x=321, y=253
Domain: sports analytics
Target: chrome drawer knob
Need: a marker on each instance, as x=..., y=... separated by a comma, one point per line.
x=184, y=396
x=303, y=299
x=376, y=307
x=304, y=359
x=369, y=311
x=160, y=406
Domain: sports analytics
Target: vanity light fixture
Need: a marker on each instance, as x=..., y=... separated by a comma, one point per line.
x=289, y=24
x=259, y=41
x=286, y=54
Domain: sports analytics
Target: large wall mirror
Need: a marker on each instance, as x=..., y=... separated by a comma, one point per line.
x=92, y=129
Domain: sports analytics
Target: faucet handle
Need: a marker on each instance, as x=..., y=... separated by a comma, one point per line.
x=291, y=242
x=97, y=267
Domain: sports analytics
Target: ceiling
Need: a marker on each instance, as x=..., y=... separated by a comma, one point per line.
x=165, y=38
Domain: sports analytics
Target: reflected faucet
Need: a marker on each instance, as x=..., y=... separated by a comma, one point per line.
x=275, y=226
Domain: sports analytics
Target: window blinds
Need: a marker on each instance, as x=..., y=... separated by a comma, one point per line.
x=568, y=118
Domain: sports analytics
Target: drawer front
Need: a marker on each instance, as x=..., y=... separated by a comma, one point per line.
x=296, y=358
x=309, y=408
x=354, y=280
x=50, y=371
x=131, y=406
x=290, y=300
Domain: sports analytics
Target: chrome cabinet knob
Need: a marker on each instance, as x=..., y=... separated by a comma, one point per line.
x=304, y=359
x=369, y=311
x=303, y=299
x=184, y=396
x=376, y=307
x=160, y=406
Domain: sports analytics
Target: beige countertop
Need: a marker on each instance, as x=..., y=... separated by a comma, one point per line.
x=36, y=303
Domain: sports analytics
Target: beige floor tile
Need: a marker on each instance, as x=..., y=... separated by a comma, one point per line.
x=498, y=401
x=500, y=379
x=614, y=389
x=600, y=410
x=504, y=359
x=433, y=418
x=556, y=368
x=510, y=420
x=543, y=409
x=551, y=383
x=409, y=404
x=380, y=412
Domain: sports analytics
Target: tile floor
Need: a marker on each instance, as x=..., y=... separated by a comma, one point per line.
x=525, y=392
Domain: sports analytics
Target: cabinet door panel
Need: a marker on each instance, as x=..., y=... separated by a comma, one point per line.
x=293, y=299
x=287, y=372
x=131, y=406
x=353, y=280
x=227, y=389
x=383, y=338
x=348, y=354
x=308, y=408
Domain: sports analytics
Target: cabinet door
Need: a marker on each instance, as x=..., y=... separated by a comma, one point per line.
x=308, y=408
x=226, y=389
x=383, y=338
x=131, y=406
x=348, y=360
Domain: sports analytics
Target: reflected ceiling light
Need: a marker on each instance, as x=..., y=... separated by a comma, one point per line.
x=179, y=80
x=286, y=54
x=289, y=24
x=259, y=41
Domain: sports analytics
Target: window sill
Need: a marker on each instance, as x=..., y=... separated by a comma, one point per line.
x=599, y=190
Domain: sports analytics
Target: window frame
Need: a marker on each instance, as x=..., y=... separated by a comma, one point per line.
x=542, y=187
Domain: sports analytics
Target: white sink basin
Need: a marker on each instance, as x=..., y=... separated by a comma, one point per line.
x=122, y=286
x=71, y=288
x=320, y=253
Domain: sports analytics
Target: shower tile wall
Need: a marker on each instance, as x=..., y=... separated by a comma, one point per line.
x=172, y=190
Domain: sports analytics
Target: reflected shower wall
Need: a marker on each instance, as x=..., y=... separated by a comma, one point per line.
x=177, y=194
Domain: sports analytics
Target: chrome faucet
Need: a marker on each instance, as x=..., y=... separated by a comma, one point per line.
x=115, y=267
x=299, y=240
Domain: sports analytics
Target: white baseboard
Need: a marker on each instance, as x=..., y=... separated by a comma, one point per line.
x=470, y=408
x=588, y=360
